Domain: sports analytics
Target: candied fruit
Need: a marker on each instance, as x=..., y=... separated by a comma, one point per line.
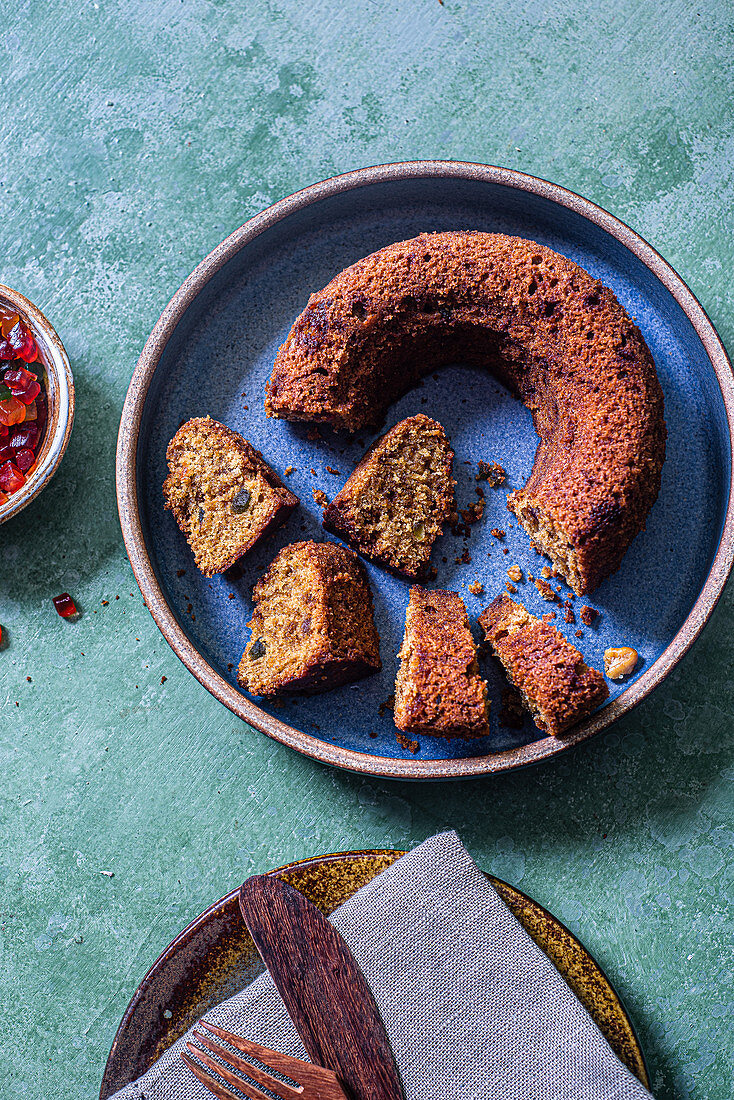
x=11, y=479
x=23, y=408
x=24, y=459
x=65, y=606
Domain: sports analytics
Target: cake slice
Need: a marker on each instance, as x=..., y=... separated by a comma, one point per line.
x=394, y=504
x=222, y=493
x=313, y=627
x=439, y=690
x=556, y=685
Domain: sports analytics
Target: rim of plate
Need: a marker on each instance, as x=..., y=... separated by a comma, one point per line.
x=61, y=404
x=128, y=504
x=313, y=863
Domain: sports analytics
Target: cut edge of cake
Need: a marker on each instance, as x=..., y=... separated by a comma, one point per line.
x=223, y=494
x=556, y=685
x=439, y=690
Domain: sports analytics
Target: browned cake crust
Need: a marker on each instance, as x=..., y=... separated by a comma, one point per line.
x=222, y=493
x=556, y=686
x=312, y=628
x=394, y=504
x=547, y=328
x=439, y=690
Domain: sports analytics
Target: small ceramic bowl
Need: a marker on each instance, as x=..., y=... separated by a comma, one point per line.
x=59, y=386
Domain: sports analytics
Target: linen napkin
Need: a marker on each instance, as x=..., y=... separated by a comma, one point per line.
x=472, y=1007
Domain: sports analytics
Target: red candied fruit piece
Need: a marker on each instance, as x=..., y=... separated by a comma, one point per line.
x=11, y=479
x=7, y=454
x=24, y=436
x=24, y=459
x=65, y=605
x=18, y=379
x=16, y=340
x=29, y=350
x=29, y=395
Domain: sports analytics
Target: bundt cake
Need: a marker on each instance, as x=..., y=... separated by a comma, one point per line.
x=393, y=505
x=312, y=628
x=548, y=330
x=556, y=685
x=223, y=494
x=439, y=689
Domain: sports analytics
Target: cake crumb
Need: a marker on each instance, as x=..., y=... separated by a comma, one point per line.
x=389, y=704
x=289, y=470
x=492, y=473
x=546, y=591
x=515, y=573
x=568, y=615
x=510, y=587
x=406, y=743
x=473, y=513
x=497, y=532
x=549, y=616
x=547, y=572
x=331, y=470
x=588, y=615
x=579, y=633
x=476, y=589
x=320, y=497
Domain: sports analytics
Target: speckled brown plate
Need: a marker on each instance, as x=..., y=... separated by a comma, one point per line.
x=214, y=957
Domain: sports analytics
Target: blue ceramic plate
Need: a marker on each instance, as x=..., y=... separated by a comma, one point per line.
x=212, y=352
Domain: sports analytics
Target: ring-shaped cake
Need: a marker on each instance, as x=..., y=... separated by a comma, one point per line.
x=546, y=328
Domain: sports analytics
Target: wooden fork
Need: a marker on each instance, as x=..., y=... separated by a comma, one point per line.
x=305, y=1081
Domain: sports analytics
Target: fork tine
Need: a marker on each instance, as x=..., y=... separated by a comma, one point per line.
x=258, y=1075
x=295, y=1068
x=212, y=1084
x=249, y=1088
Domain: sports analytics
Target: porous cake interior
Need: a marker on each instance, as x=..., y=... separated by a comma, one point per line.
x=221, y=501
x=439, y=688
x=289, y=625
x=397, y=513
x=548, y=536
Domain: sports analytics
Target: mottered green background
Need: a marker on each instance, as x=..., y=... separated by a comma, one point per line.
x=133, y=137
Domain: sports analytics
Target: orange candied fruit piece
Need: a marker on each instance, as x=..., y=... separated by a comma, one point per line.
x=12, y=411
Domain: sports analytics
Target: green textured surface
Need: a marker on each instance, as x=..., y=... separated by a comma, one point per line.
x=134, y=137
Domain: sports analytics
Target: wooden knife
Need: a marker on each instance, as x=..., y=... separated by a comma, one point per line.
x=324, y=991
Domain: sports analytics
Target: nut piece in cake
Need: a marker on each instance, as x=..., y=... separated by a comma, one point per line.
x=394, y=504
x=439, y=689
x=556, y=685
x=222, y=493
x=312, y=628
x=620, y=662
